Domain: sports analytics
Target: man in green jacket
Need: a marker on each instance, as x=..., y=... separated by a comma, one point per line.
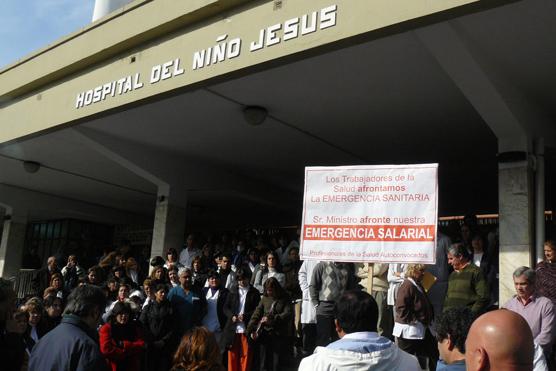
x=467, y=286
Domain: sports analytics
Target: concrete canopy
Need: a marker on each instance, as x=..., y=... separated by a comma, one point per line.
x=369, y=100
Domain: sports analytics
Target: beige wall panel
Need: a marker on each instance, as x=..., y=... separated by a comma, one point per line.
x=56, y=105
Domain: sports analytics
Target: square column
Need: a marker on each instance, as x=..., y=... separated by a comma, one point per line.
x=11, y=245
x=516, y=211
x=169, y=227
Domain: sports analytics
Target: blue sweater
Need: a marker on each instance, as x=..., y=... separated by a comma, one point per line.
x=72, y=345
x=456, y=366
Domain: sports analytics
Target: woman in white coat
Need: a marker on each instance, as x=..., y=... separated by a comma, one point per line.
x=396, y=275
x=308, y=311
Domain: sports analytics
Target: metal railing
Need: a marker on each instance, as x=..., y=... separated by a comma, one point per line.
x=28, y=283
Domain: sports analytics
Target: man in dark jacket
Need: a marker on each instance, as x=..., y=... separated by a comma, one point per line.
x=73, y=345
x=43, y=276
x=239, y=307
x=158, y=324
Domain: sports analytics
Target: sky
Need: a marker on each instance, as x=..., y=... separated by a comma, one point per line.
x=29, y=25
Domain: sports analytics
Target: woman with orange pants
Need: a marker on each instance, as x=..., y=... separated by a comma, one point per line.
x=238, y=308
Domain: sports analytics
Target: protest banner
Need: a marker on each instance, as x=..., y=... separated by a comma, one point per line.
x=383, y=213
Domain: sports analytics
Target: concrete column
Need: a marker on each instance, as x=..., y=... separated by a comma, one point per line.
x=2, y=214
x=169, y=227
x=516, y=210
x=540, y=197
x=514, y=120
x=12, y=244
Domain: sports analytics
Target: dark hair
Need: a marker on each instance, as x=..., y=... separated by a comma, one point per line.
x=223, y=255
x=161, y=286
x=243, y=274
x=470, y=220
x=277, y=264
x=197, y=259
x=477, y=236
x=357, y=311
x=94, y=269
x=277, y=289
x=157, y=260
x=454, y=322
x=21, y=314
x=84, y=299
x=50, y=299
x=172, y=251
x=118, y=268
x=121, y=308
x=213, y=274
x=198, y=351
x=6, y=290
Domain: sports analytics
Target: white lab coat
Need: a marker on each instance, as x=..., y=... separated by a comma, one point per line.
x=308, y=312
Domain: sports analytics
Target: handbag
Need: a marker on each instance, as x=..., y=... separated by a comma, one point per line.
x=260, y=326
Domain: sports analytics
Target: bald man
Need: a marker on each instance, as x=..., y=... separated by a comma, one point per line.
x=499, y=340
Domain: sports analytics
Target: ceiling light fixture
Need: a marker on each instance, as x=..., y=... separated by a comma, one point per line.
x=31, y=166
x=254, y=115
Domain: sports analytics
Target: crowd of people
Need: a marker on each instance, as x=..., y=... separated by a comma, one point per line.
x=250, y=303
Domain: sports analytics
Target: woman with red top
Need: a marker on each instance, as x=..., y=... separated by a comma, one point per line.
x=123, y=297
x=121, y=340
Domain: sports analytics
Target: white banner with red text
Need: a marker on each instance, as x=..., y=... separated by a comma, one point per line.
x=383, y=213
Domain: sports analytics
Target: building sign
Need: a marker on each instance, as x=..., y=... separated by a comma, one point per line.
x=240, y=40
x=226, y=48
x=383, y=213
